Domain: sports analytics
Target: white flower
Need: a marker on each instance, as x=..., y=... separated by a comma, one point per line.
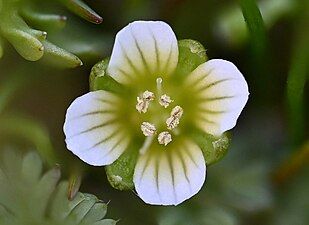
x=170, y=168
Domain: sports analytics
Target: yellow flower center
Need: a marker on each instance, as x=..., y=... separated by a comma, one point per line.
x=160, y=101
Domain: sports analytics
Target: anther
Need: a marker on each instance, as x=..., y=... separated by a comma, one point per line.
x=165, y=100
x=148, y=129
x=148, y=96
x=143, y=102
x=164, y=138
x=142, y=105
x=173, y=121
x=177, y=112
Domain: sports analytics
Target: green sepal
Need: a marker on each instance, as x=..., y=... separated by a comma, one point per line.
x=213, y=148
x=120, y=173
x=191, y=54
x=100, y=80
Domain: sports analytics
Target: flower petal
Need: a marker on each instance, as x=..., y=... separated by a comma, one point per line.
x=143, y=48
x=92, y=130
x=170, y=176
x=222, y=94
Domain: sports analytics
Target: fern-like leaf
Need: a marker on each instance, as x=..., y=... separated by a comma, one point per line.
x=29, y=196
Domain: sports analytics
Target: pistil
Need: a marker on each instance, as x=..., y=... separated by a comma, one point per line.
x=159, y=85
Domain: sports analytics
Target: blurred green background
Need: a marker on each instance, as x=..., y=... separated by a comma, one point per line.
x=264, y=178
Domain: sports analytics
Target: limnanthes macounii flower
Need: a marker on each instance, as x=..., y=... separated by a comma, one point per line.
x=156, y=113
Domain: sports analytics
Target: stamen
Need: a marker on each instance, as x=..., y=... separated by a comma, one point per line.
x=177, y=112
x=148, y=96
x=173, y=121
x=142, y=105
x=165, y=100
x=143, y=102
x=148, y=129
x=164, y=138
x=146, y=145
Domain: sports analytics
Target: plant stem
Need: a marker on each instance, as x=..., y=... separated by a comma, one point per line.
x=292, y=165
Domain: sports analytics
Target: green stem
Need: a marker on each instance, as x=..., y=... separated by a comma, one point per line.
x=292, y=165
x=259, y=44
x=296, y=81
x=255, y=24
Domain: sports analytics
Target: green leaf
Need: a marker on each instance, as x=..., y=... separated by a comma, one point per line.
x=106, y=222
x=60, y=57
x=231, y=27
x=297, y=78
x=43, y=21
x=261, y=53
x=100, y=80
x=23, y=128
x=26, y=197
x=191, y=55
x=24, y=43
x=81, y=9
x=120, y=173
x=97, y=213
x=255, y=24
x=30, y=43
x=214, y=148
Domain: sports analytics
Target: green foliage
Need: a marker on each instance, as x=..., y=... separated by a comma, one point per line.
x=29, y=197
x=255, y=24
x=232, y=27
x=297, y=78
x=84, y=11
x=20, y=17
x=29, y=130
x=208, y=216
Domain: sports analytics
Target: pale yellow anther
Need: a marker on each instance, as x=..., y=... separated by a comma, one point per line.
x=143, y=102
x=177, y=112
x=173, y=121
x=148, y=96
x=142, y=105
x=165, y=100
x=164, y=138
x=148, y=129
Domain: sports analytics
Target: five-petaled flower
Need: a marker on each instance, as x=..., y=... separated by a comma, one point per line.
x=160, y=107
